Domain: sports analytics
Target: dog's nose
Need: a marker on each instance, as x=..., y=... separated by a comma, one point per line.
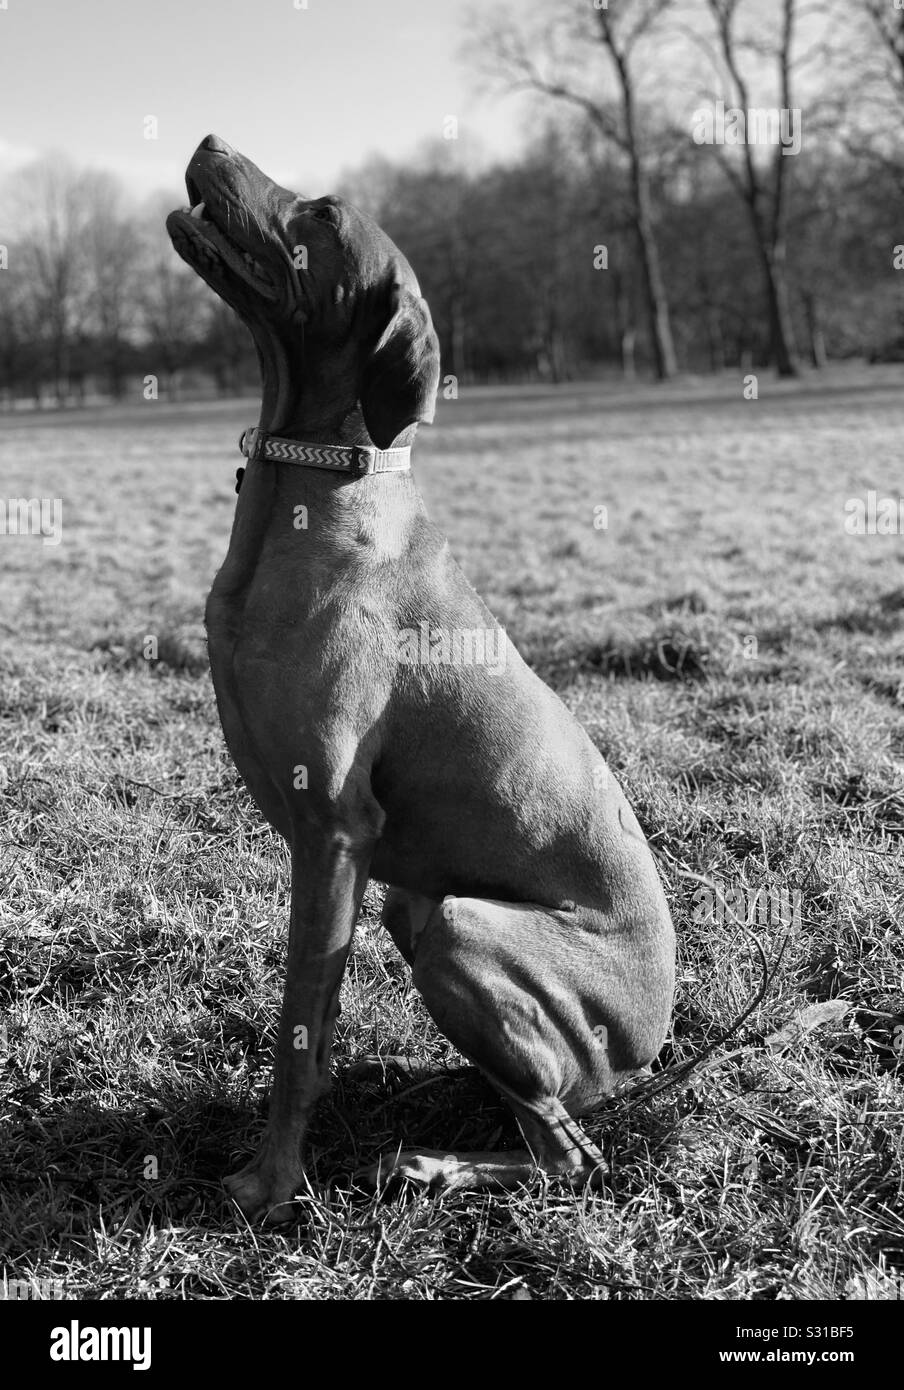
x=215, y=145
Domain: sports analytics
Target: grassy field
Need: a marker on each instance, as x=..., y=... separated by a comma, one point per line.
x=735, y=653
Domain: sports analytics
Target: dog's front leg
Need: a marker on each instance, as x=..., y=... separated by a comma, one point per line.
x=329, y=875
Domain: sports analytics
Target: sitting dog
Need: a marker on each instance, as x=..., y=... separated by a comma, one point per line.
x=521, y=889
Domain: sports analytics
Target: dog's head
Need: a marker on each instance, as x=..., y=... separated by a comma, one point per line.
x=324, y=291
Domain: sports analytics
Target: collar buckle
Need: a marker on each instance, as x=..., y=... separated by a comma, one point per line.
x=251, y=443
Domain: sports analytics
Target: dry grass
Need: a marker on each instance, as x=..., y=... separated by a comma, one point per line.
x=144, y=903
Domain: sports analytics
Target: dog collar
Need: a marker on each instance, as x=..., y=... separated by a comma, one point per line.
x=357, y=459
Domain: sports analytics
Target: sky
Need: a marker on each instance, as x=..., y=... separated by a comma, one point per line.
x=306, y=92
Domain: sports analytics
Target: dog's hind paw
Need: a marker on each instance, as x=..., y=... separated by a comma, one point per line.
x=436, y=1171
x=426, y=1168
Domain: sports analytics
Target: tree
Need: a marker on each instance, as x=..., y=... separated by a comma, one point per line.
x=228, y=349
x=875, y=84
x=619, y=32
x=762, y=187
x=174, y=304
x=19, y=357
x=113, y=251
x=887, y=23
x=426, y=208
x=49, y=221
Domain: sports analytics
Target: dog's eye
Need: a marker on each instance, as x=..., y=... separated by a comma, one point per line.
x=324, y=214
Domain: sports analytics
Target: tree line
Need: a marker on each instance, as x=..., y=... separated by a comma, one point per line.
x=644, y=226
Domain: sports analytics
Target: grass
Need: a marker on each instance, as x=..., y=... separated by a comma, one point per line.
x=738, y=657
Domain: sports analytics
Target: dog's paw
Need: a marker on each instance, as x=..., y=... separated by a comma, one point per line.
x=433, y=1171
x=429, y=1169
x=263, y=1193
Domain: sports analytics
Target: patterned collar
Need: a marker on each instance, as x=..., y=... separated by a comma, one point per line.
x=357, y=459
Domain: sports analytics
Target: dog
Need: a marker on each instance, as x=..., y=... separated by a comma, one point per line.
x=520, y=887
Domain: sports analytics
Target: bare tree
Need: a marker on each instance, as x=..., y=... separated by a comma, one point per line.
x=427, y=205
x=887, y=24
x=620, y=42
x=617, y=31
x=49, y=223
x=18, y=333
x=228, y=349
x=112, y=251
x=875, y=85
x=174, y=305
x=762, y=185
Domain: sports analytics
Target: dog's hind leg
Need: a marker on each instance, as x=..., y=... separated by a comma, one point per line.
x=557, y=1008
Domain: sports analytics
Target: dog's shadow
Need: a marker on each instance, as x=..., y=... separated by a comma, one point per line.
x=162, y=1162
x=163, y=1155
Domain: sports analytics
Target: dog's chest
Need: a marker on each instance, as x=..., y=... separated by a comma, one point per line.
x=294, y=651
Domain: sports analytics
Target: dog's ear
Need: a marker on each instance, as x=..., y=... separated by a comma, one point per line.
x=400, y=375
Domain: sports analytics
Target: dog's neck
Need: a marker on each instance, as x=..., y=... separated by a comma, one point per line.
x=345, y=427
x=311, y=406
x=360, y=522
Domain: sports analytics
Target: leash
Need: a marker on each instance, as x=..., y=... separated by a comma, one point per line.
x=357, y=460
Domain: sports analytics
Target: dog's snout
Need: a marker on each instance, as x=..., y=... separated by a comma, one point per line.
x=215, y=145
